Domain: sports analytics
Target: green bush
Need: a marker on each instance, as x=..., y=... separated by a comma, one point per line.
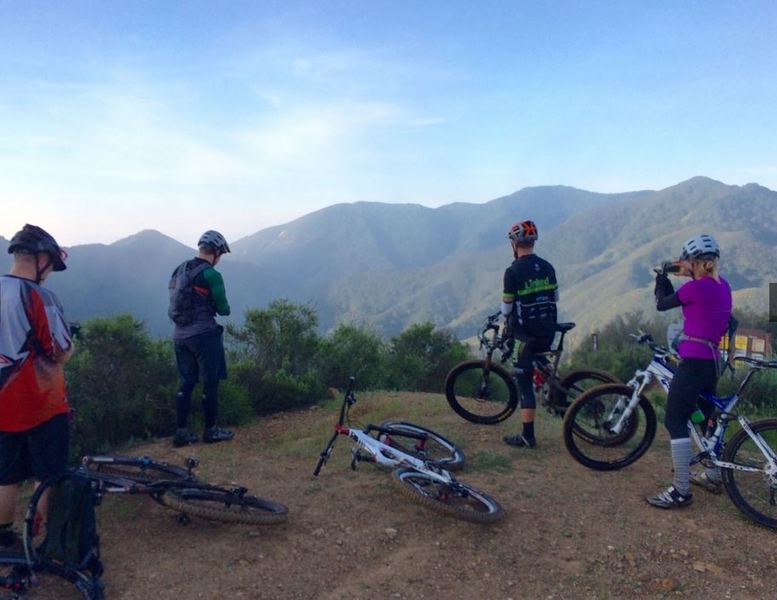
x=351, y=350
x=119, y=382
x=420, y=357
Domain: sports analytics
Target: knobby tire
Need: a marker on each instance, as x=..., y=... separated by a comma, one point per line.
x=755, y=494
x=586, y=415
x=220, y=505
x=477, y=507
x=482, y=385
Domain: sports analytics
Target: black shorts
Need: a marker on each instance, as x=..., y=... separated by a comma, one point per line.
x=40, y=452
x=201, y=356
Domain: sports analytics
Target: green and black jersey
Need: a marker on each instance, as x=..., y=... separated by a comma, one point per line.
x=530, y=294
x=210, y=299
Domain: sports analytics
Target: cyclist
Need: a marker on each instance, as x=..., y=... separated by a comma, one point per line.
x=529, y=299
x=706, y=303
x=199, y=344
x=34, y=345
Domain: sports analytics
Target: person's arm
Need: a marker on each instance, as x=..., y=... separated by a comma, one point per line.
x=666, y=297
x=51, y=333
x=218, y=292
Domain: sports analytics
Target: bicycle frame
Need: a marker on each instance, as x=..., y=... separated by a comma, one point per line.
x=379, y=453
x=711, y=447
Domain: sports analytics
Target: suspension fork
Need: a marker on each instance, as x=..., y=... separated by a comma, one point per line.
x=622, y=410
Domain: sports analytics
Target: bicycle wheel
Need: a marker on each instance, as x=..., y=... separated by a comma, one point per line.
x=587, y=428
x=54, y=581
x=137, y=468
x=225, y=506
x=574, y=385
x=754, y=493
x=481, y=393
x=462, y=501
x=435, y=448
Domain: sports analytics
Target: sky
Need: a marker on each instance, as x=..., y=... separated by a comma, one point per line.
x=181, y=116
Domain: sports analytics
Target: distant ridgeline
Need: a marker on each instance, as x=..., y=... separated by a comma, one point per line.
x=389, y=265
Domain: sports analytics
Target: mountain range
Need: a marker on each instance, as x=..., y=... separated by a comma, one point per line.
x=389, y=265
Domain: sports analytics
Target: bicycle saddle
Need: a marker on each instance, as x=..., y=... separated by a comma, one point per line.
x=564, y=327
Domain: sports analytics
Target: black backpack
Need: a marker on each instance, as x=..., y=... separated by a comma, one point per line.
x=71, y=527
x=181, y=309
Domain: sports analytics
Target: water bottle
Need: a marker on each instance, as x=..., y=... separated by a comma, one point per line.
x=697, y=417
x=670, y=267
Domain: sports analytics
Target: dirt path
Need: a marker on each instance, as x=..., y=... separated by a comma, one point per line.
x=569, y=532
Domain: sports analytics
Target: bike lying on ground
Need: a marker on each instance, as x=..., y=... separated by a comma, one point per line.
x=483, y=391
x=421, y=458
x=619, y=423
x=179, y=489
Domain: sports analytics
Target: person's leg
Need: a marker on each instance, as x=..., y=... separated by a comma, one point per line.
x=188, y=370
x=524, y=371
x=14, y=468
x=688, y=381
x=213, y=366
x=49, y=447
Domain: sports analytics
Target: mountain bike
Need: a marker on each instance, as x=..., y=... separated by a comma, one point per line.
x=483, y=391
x=179, y=489
x=748, y=461
x=420, y=458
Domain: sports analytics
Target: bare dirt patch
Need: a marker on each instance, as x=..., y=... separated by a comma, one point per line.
x=569, y=532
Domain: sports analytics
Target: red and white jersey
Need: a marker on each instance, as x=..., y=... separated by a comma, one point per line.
x=34, y=336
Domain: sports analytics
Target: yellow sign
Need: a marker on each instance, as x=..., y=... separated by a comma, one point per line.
x=740, y=342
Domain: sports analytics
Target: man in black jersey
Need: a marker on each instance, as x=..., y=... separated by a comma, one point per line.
x=529, y=307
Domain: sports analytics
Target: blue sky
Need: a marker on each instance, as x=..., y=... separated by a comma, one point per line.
x=184, y=116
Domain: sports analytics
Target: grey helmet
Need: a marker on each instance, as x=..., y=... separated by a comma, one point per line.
x=215, y=240
x=35, y=240
x=700, y=246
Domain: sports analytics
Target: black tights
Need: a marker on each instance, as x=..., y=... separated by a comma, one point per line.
x=693, y=376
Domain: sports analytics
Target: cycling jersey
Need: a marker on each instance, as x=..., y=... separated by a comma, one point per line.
x=530, y=295
x=34, y=336
x=210, y=299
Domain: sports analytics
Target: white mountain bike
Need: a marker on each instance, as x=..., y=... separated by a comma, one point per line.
x=620, y=423
x=421, y=459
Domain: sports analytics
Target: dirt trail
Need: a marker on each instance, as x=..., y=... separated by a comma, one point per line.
x=569, y=532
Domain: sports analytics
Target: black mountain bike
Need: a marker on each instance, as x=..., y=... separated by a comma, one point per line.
x=485, y=392
x=179, y=489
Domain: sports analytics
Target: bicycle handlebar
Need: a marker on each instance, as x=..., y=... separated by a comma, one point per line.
x=763, y=364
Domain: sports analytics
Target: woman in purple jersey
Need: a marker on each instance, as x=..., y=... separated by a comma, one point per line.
x=706, y=303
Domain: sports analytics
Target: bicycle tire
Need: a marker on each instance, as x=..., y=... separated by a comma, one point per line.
x=140, y=469
x=481, y=392
x=80, y=585
x=574, y=384
x=586, y=414
x=476, y=506
x=225, y=507
x=441, y=451
x=753, y=493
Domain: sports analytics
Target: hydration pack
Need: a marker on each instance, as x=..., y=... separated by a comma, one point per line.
x=181, y=288
x=71, y=527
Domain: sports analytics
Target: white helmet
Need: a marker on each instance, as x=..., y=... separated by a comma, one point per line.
x=700, y=246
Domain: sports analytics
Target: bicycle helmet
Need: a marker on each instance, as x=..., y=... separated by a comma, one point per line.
x=215, y=240
x=35, y=240
x=523, y=231
x=700, y=246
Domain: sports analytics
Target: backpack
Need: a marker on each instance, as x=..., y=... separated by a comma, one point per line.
x=181, y=309
x=71, y=527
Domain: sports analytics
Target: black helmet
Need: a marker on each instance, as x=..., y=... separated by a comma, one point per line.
x=215, y=240
x=35, y=240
